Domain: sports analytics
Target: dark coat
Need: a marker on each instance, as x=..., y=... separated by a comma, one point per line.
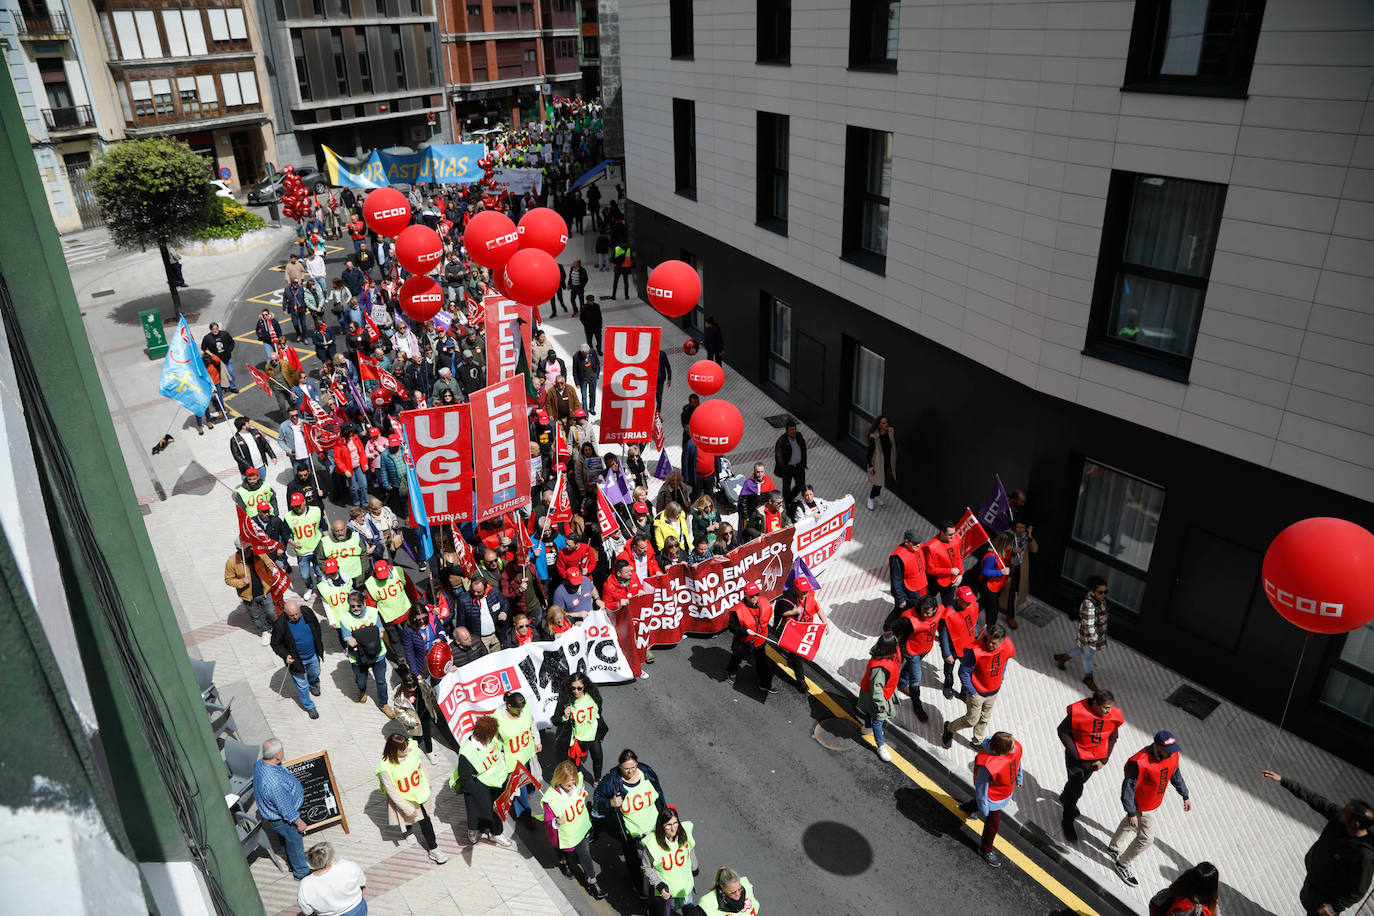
x=782, y=454
x=591, y=316
x=1340, y=867
x=284, y=644
x=240, y=452
x=612, y=785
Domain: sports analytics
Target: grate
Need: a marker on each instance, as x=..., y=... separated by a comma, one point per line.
x=778, y=421
x=1034, y=613
x=102, y=292
x=1193, y=701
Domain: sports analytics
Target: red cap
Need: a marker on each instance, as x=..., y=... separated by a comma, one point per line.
x=802, y=583
x=264, y=506
x=753, y=589
x=393, y=440
x=297, y=499
x=331, y=565
x=543, y=416
x=381, y=569
x=967, y=594
x=250, y=472
x=574, y=576
x=579, y=413
x=642, y=507
x=373, y=432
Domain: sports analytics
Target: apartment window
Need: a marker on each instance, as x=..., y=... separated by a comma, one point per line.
x=219, y=24
x=336, y=48
x=868, y=189
x=1196, y=47
x=205, y=92
x=1349, y=687
x=398, y=61
x=195, y=32
x=591, y=47
x=238, y=26
x=302, y=69
x=364, y=61
x=1113, y=536
x=564, y=47
x=317, y=7
x=873, y=31
x=775, y=31
x=685, y=147
x=176, y=33
x=475, y=12
x=162, y=98
x=680, y=38
x=772, y=171
x=431, y=58
x=530, y=55
x=1158, y=238
x=343, y=8
x=865, y=389
x=186, y=91
x=526, y=9
x=779, y=316
x=142, y=95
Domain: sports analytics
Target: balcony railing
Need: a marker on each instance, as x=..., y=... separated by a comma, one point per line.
x=78, y=117
x=52, y=24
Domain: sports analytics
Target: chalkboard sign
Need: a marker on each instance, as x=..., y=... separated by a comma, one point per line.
x=321, y=806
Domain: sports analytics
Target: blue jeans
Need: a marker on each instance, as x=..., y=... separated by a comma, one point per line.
x=911, y=674
x=588, y=391
x=378, y=670
x=310, y=678
x=269, y=351
x=357, y=485
x=520, y=802
x=309, y=574
x=876, y=724
x=359, y=910
x=1087, y=652
x=262, y=612
x=294, y=844
x=228, y=363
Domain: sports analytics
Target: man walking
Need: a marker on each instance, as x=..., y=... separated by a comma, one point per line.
x=623, y=260
x=1340, y=865
x=789, y=461
x=981, y=671
x=906, y=569
x=1149, y=773
x=577, y=285
x=362, y=638
x=1092, y=629
x=306, y=523
x=291, y=435
x=944, y=563
x=296, y=640
x=1088, y=733
x=586, y=373
x=220, y=343
x=749, y=622
x=591, y=323
x=250, y=449
x=279, y=795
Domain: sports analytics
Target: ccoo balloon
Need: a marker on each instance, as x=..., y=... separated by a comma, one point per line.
x=1317, y=572
x=419, y=249
x=386, y=212
x=421, y=298
x=705, y=377
x=544, y=229
x=673, y=288
x=717, y=426
x=531, y=276
x=491, y=238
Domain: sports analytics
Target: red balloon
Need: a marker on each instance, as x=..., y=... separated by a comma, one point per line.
x=386, y=211
x=705, y=377
x=690, y=346
x=717, y=426
x=531, y=276
x=491, y=238
x=439, y=656
x=421, y=298
x=673, y=288
x=419, y=249
x=381, y=397
x=1316, y=574
x=544, y=229
x=497, y=283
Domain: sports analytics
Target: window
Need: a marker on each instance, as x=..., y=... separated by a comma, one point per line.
x=302, y=69
x=865, y=389
x=195, y=32
x=205, y=90
x=564, y=47
x=431, y=59
x=143, y=98
x=248, y=86
x=475, y=12
x=1158, y=238
x=238, y=29
x=162, y=98
x=364, y=62
x=186, y=91
x=219, y=25
x=1350, y=685
x=127, y=33
x=873, y=31
x=340, y=65
x=685, y=147
x=1113, y=536
x=591, y=47
x=775, y=31
x=398, y=61
x=229, y=82
x=147, y=33
x=1200, y=47
x=868, y=186
x=680, y=38
x=779, y=342
x=772, y=171
x=176, y=33
x=343, y=7
x=530, y=55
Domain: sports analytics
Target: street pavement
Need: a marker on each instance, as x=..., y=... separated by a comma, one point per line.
x=735, y=756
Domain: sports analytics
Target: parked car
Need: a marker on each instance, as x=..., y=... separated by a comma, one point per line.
x=269, y=189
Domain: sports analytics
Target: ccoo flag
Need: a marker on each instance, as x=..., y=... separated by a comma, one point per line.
x=184, y=378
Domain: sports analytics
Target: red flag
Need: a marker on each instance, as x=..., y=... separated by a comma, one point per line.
x=463, y=549
x=312, y=443
x=657, y=432
x=260, y=378
x=562, y=510
x=561, y=442
x=289, y=356
x=340, y=399
x=500, y=449
x=523, y=542
x=374, y=333
x=628, y=384
x=440, y=442
x=367, y=367
x=605, y=515
x=252, y=534
x=476, y=313
x=802, y=638
x=390, y=383
x=519, y=778
x=972, y=533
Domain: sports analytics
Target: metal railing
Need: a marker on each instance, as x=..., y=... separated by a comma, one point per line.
x=53, y=23
x=74, y=118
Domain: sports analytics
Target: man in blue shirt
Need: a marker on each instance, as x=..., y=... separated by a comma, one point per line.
x=296, y=640
x=279, y=795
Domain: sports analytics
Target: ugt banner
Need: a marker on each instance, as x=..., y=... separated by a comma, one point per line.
x=536, y=669
x=628, y=384
x=441, y=163
x=441, y=446
x=817, y=541
x=500, y=448
x=503, y=352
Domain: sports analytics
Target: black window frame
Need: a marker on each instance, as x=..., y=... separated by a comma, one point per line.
x=1148, y=43
x=1108, y=564
x=591, y=47
x=1100, y=342
x=685, y=148
x=772, y=359
x=858, y=142
x=773, y=131
x=774, y=33
x=865, y=52
x=850, y=405
x=681, y=26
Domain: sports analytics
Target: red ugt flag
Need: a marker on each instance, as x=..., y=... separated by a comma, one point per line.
x=260, y=379
x=629, y=383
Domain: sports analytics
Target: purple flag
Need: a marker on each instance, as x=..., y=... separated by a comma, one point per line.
x=995, y=512
x=442, y=320
x=799, y=571
x=664, y=466
x=357, y=396
x=615, y=488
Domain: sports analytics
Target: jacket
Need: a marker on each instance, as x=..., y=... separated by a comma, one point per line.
x=343, y=460
x=551, y=402
x=413, y=642
x=237, y=577
x=1092, y=623
x=462, y=656
x=240, y=452
x=782, y=454
x=586, y=366
x=263, y=332
x=390, y=470
x=283, y=644
x=577, y=278
x=612, y=785
x=1340, y=867
x=663, y=529
x=591, y=316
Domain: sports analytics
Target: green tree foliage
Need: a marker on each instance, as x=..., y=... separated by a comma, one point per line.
x=152, y=192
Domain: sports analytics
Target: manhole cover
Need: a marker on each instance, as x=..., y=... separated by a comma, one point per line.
x=102, y=292
x=778, y=421
x=835, y=734
x=1194, y=702
x=1034, y=613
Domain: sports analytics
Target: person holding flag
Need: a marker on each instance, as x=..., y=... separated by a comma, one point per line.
x=798, y=603
x=749, y=623
x=184, y=376
x=481, y=776
x=578, y=723
x=515, y=722
x=993, y=574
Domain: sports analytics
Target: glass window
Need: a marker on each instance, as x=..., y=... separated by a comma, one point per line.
x=874, y=28
x=1350, y=685
x=147, y=33
x=398, y=61
x=1204, y=47
x=865, y=390
x=142, y=95
x=176, y=33
x=364, y=62
x=773, y=132
x=195, y=31
x=340, y=66
x=302, y=69
x=248, y=86
x=127, y=31
x=205, y=90
x=238, y=29
x=186, y=92
x=774, y=31
x=681, y=41
x=229, y=82
x=779, y=343
x=685, y=147
x=162, y=97
x=1114, y=526
x=868, y=185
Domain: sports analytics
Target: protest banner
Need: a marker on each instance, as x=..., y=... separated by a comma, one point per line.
x=818, y=541
x=517, y=181
x=500, y=448
x=503, y=354
x=440, y=163
x=441, y=447
x=628, y=384
x=519, y=778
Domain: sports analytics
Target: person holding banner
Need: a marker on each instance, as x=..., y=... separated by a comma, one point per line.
x=578, y=724
x=401, y=772
x=568, y=820
x=669, y=860
x=481, y=776
x=749, y=623
x=732, y=893
x=798, y=602
x=629, y=800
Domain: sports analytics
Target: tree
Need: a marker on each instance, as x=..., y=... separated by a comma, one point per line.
x=153, y=192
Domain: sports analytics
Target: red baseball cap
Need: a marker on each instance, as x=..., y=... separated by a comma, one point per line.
x=393, y=440
x=264, y=506
x=297, y=499
x=574, y=576
x=753, y=589
x=381, y=569
x=374, y=432
x=331, y=565
x=543, y=416
x=579, y=413
x=802, y=583
x=967, y=594
x=642, y=507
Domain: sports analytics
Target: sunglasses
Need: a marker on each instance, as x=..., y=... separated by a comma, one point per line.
x=1100, y=591
x=526, y=627
x=579, y=689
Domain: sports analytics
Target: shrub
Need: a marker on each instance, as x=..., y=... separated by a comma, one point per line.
x=229, y=219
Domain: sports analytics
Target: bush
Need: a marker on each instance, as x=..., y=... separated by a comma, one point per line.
x=229, y=219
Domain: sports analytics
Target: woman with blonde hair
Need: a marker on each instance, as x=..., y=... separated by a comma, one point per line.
x=568, y=822
x=334, y=887
x=732, y=893
x=401, y=772
x=705, y=519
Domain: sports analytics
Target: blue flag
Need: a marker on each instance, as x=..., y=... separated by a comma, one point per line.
x=184, y=377
x=995, y=512
x=419, y=519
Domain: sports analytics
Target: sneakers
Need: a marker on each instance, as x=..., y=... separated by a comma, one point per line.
x=595, y=890
x=313, y=713
x=565, y=868
x=411, y=840
x=992, y=858
x=1115, y=854
x=1125, y=873
x=472, y=837
x=946, y=739
x=388, y=711
x=501, y=841
x=870, y=505
x=314, y=691
x=309, y=595
x=1060, y=660
x=649, y=657
x=884, y=754
x=267, y=637
x=948, y=692
x=904, y=689
x=436, y=855
x=879, y=500
x=362, y=695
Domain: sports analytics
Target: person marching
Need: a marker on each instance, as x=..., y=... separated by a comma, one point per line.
x=994, y=572
x=568, y=822
x=305, y=537
x=981, y=671
x=629, y=799
x=1193, y=893
x=334, y=590
x=1088, y=733
x=346, y=546
x=944, y=563
x=907, y=573
x=669, y=859
x=878, y=690
x=958, y=631
x=362, y=638
x=1149, y=773
x=516, y=723
x=579, y=726
x=386, y=591
x=996, y=774
x=481, y=777
x=799, y=603
x=1092, y=629
x=401, y=771
x=916, y=631
x=731, y=893
x=749, y=622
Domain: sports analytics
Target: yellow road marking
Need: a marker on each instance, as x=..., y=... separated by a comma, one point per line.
x=928, y=785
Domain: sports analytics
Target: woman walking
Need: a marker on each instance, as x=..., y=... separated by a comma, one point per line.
x=481, y=776
x=579, y=726
x=996, y=774
x=1092, y=629
x=878, y=690
x=401, y=771
x=628, y=801
x=732, y=893
x=669, y=860
x=882, y=459
x=333, y=887
x=568, y=820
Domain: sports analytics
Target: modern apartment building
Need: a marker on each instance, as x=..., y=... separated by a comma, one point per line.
x=1121, y=254
x=503, y=59
x=589, y=54
x=354, y=75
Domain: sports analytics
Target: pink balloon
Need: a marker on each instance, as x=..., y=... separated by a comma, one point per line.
x=705, y=377
x=544, y=229
x=491, y=238
x=421, y=297
x=419, y=249
x=717, y=426
x=673, y=288
x=531, y=276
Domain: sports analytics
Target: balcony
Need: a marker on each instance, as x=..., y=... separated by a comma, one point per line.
x=51, y=25
x=78, y=117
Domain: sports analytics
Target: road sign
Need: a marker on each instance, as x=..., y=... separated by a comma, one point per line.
x=151, y=321
x=224, y=173
x=431, y=116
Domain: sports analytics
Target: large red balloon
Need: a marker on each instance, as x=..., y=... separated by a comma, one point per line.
x=421, y=298
x=705, y=377
x=491, y=238
x=544, y=229
x=439, y=657
x=531, y=276
x=674, y=288
x=717, y=426
x=1317, y=573
x=419, y=249
x=387, y=212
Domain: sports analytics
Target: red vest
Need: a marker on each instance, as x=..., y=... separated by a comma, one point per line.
x=1153, y=780
x=961, y=625
x=1091, y=733
x=922, y=633
x=989, y=667
x=1002, y=768
x=892, y=666
x=944, y=561
x=913, y=562
x=995, y=583
x=756, y=619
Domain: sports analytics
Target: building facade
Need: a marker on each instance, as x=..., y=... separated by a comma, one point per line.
x=502, y=60
x=354, y=75
x=1122, y=260
x=589, y=51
